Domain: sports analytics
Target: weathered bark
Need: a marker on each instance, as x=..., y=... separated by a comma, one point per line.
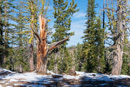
x=43, y=48
x=5, y=32
x=20, y=68
x=119, y=39
x=31, y=62
x=55, y=64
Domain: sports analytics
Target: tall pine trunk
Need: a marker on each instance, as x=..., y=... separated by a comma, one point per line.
x=56, y=63
x=31, y=62
x=5, y=32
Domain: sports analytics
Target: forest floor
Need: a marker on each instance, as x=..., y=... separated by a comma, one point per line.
x=81, y=79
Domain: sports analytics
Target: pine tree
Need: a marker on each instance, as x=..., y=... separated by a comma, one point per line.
x=93, y=48
x=20, y=59
x=1, y=32
x=89, y=47
x=63, y=14
x=78, y=57
x=16, y=37
x=6, y=28
x=100, y=46
x=125, y=67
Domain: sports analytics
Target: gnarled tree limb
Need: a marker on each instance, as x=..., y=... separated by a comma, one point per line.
x=56, y=44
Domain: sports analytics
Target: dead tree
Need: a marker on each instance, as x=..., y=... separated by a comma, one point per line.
x=43, y=48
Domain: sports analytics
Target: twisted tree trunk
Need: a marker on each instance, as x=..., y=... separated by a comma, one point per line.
x=119, y=39
x=43, y=48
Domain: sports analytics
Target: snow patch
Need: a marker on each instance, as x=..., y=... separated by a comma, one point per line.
x=50, y=72
x=13, y=80
x=119, y=76
x=48, y=79
x=71, y=77
x=5, y=70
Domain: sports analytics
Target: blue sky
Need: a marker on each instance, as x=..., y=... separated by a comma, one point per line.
x=78, y=20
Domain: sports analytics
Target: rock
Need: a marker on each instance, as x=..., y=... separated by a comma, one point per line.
x=93, y=75
x=57, y=76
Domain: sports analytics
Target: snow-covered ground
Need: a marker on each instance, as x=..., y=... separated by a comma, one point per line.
x=32, y=79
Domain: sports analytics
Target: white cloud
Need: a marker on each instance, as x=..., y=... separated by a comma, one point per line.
x=78, y=24
x=78, y=28
x=79, y=15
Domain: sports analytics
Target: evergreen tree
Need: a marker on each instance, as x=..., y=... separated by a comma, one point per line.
x=6, y=28
x=125, y=67
x=78, y=57
x=63, y=14
x=1, y=32
x=19, y=53
x=89, y=47
x=93, y=48
x=100, y=46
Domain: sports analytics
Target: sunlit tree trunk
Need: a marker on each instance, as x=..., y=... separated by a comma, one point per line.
x=31, y=60
x=119, y=39
x=42, y=47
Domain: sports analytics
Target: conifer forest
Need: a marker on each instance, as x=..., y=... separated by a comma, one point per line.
x=35, y=35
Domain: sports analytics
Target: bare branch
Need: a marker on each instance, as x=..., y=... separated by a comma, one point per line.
x=56, y=44
x=110, y=9
x=126, y=53
x=36, y=34
x=127, y=27
x=114, y=35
